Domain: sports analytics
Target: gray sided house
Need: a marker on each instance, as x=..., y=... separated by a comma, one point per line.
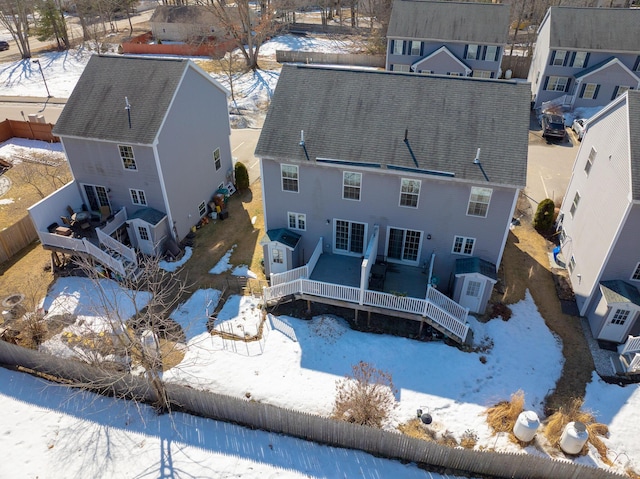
x=447, y=38
x=380, y=166
x=600, y=221
x=585, y=57
x=148, y=143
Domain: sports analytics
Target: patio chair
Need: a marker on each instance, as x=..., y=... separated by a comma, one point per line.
x=105, y=213
x=67, y=221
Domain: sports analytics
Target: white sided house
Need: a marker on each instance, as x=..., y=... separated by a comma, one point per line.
x=447, y=38
x=585, y=57
x=148, y=144
x=388, y=191
x=600, y=222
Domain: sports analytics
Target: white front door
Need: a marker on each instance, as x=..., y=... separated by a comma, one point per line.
x=143, y=237
x=472, y=291
x=277, y=259
x=616, y=325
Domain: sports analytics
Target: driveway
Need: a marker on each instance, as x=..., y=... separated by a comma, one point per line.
x=549, y=166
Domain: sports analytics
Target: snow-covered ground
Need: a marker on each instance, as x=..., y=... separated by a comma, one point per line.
x=53, y=433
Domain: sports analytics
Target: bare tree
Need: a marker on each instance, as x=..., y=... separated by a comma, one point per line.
x=367, y=397
x=248, y=29
x=42, y=173
x=14, y=16
x=230, y=66
x=148, y=340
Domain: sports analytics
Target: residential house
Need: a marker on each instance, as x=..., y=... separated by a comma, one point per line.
x=600, y=221
x=447, y=38
x=148, y=143
x=183, y=23
x=585, y=57
x=407, y=172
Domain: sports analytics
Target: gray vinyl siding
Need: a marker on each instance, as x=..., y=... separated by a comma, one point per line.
x=191, y=133
x=539, y=61
x=458, y=49
x=99, y=163
x=607, y=79
x=441, y=212
x=593, y=229
x=625, y=254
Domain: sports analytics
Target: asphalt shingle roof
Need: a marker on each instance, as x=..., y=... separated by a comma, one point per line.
x=617, y=291
x=634, y=141
x=361, y=116
x=450, y=21
x=96, y=107
x=604, y=29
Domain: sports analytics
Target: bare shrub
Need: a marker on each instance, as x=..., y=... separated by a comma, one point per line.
x=503, y=416
x=448, y=439
x=417, y=429
x=469, y=439
x=367, y=397
x=573, y=412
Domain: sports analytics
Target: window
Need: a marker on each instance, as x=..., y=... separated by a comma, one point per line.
x=289, y=177
x=620, y=316
x=473, y=288
x=572, y=264
x=409, y=192
x=400, y=68
x=138, y=197
x=590, y=160
x=426, y=72
x=351, y=183
x=559, y=57
x=202, y=208
x=143, y=233
x=491, y=53
x=574, y=205
x=579, y=60
x=481, y=74
x=128, y=160
x=619, y=90
x=472, y=52
x=479, y=201
x=589, y=91
x=463, y=245
x=636, y=274
x=557, y=83
x=415, y=47
x=297, y=221
x=216, y=158
x=277, y=256
x=398, y=47
x=454, y=74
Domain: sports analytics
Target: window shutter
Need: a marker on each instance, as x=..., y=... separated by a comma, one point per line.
x=573, y=57
x=546, y=82
x=553, y=57
x=636, y=64
x=497, y=54
x=566, y=59
x=484, y=53
x=405, y=47
x=586, y=60
x=478, y=52
x=615, y=93
x=466, y=49
x=392, y=45
x=421, y=48
x=567, y=89
x=582, y=90
x=595, y=94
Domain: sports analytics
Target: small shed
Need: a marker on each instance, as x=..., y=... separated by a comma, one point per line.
x=281, y=252
x=148, y=230
x=616, y=313
x=474, y=280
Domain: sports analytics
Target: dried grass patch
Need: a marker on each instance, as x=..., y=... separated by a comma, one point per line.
x=573, y=412
x=503, y=416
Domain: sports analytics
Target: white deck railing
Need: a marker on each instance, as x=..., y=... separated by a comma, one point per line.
x=104, y=257
x=315, y=256
x=59, y=241
x=632, y=345
x=455, y=325
x=368, y=261
x=634, y=365
x=118, y=220
x=114, y=245
x=444, y=302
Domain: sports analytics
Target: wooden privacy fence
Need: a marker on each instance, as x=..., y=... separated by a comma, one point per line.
x=305, y=426
x=141, y=45
x=297, y=56
x=15, y=237
x=27, y=129
x=519, y=65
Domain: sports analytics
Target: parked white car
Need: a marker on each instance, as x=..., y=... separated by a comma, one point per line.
x=579, y=126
